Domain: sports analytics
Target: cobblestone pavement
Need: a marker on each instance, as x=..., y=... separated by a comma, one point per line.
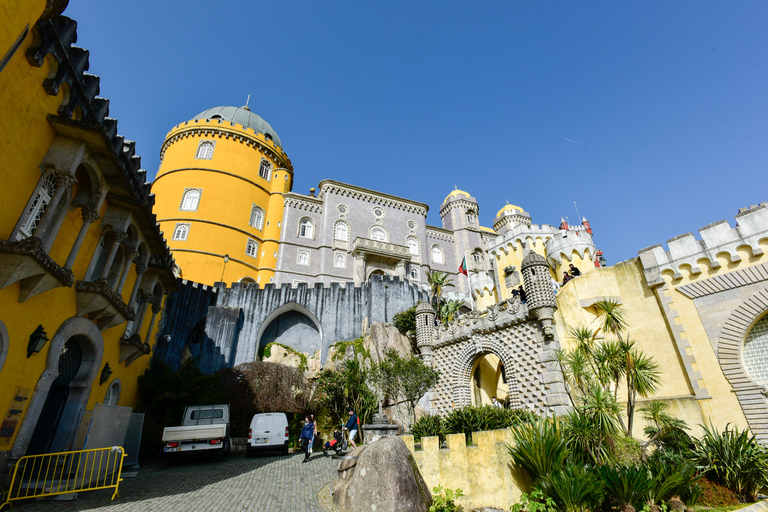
x=269, y=483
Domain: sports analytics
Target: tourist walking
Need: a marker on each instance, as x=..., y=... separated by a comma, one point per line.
x=305, y=437
x=352, y=425
x=314, y=432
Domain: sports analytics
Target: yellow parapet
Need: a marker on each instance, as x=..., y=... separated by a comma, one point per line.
x=50, y=474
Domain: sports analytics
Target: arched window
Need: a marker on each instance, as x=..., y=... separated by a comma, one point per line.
x=36, y=210
x=205, y=150
x=112, y=397
x=471, y=217
x=413, y=245
x=181, y=232
x=303, y=258
x=264, y=168
x=252, y=248
x=477, y=257
x=341, y=231
x=437, y=255
x=378, y=233
x=340, y=261
x=190, y=200
x=414, y=273
x=257, y=218
x=306, y=228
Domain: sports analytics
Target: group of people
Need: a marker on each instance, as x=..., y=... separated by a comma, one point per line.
x=309, y=432
x=519, y=292
x=575, y=272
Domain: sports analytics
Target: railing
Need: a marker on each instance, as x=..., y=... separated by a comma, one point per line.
x=36, y=476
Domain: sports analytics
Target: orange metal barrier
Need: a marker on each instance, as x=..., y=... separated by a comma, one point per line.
x=50, y=474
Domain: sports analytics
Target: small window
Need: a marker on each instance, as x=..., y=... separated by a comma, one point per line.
x=471, y=217
x=477, y=257
x=415, y=273
x=190, y=200
x=264, y=168
x=181, y=232
x=36, y=210
x=267, y=136
x=378, y=212
x=207, y=414
x=205, y=150
x=257, y=218
x=437, y=254
x=341, y=231
x=303, y=258
x=252, y=248
x=378, y=234
x=340, y=261
x=306, y=228
x=413, y=245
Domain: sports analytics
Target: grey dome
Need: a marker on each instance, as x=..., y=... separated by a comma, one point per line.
x=533, y=258
x=241, y=116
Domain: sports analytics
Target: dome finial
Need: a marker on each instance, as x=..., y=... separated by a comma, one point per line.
x=245, y=107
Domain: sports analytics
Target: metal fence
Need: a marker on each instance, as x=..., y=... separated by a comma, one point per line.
x=50, y=474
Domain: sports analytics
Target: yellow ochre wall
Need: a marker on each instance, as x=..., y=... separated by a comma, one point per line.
x=230, y=185
x=513, y=257
x=649, y=330
x=25, y=137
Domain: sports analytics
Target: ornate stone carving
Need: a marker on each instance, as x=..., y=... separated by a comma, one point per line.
x=89, y=214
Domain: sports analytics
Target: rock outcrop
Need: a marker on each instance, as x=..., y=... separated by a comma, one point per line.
x=382, y=337
x=382, y=476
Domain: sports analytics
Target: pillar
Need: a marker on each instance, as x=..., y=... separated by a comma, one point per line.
x=129, y=257
x=89, y=215
x=64, y=182
x=117, y=239
x=140, y=271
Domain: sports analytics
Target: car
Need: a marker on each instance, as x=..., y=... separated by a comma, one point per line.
x=268, y=432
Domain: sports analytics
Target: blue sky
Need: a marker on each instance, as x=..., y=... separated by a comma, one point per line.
x=651, y=116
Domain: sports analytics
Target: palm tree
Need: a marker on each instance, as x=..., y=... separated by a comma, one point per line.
x=448, y=311
x=437, y=282
x=611, y=317
x=643, y=377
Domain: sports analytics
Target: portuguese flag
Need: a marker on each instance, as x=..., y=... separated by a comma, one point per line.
x=463, y=267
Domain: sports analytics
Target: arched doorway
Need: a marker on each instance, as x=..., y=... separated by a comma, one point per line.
x=71, y=392
x=70, y=362
x=478, y=374
x=488, y=380
x=293, y=329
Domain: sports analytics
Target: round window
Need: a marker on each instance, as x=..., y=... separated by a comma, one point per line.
x=343, y=209
x=411, y=224
x=378, y=212
x=755, y=353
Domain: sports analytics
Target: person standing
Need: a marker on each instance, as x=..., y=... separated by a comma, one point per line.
x=496, y=403
x=305, y=437
x=575, y=272
x=352, y=425
x=314, y=432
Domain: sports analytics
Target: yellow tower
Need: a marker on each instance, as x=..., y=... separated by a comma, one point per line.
x=219, y=196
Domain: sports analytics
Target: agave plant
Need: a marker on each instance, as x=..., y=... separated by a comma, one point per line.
x=539, y=447
x=734, y=458
x=575, y=488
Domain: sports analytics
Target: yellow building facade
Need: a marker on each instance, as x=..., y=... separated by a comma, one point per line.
x=83, y=267
x=219, y=196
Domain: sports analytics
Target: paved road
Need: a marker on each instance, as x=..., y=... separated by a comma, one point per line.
x=265, y=483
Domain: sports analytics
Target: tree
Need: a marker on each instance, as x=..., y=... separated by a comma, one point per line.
x=347, y=388
x=405, y=321
x=438, y=281
x=660, y=423
x=448, y=311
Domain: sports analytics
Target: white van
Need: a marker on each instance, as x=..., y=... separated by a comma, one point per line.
x=268, y=432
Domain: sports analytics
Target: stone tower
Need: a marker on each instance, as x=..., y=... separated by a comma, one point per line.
x=425, y=322
x=539, y=292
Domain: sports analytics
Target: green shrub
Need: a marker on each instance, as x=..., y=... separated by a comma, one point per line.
x=534, y=502
x=429, y=425
x=443, y=500
x=357, y=344
x=626, y=451
x=628, y=485
x=672, y=480
x=715, y=495
x=539, y=447
x=575, y=488
x=405, y=321
x=734, y=459
x=475, y=419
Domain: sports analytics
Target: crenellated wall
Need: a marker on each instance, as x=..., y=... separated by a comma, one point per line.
x=716, y=238
x=482, y=471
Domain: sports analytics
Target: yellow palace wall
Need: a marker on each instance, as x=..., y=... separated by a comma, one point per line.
x=648, y=328
x=25, y=138
x=230, y=185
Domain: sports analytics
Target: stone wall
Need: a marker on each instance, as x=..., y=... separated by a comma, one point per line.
x=225, y=326
x=481, y=471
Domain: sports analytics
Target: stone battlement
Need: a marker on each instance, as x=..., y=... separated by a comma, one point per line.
x=716, y=238
x=481, y=470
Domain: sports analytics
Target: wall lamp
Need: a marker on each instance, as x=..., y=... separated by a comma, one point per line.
x=105, y=373
x=37, y=341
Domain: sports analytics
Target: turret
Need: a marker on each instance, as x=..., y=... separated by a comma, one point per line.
x=425, y=326
x=585, y=223
x=539, y=293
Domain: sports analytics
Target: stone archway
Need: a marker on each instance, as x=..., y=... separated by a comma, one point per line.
x=474, y=349
x=3, y=344
x=292, y=325
x=751, y=394
x=91, y=343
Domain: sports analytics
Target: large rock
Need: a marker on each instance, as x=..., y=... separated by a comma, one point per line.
x=382, y=476
x=382, y=337
x=289, y=357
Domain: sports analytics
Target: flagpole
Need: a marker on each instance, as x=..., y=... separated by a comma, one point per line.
x=469, y=284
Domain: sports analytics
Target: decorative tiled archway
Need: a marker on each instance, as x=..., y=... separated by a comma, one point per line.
x=475, y=348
